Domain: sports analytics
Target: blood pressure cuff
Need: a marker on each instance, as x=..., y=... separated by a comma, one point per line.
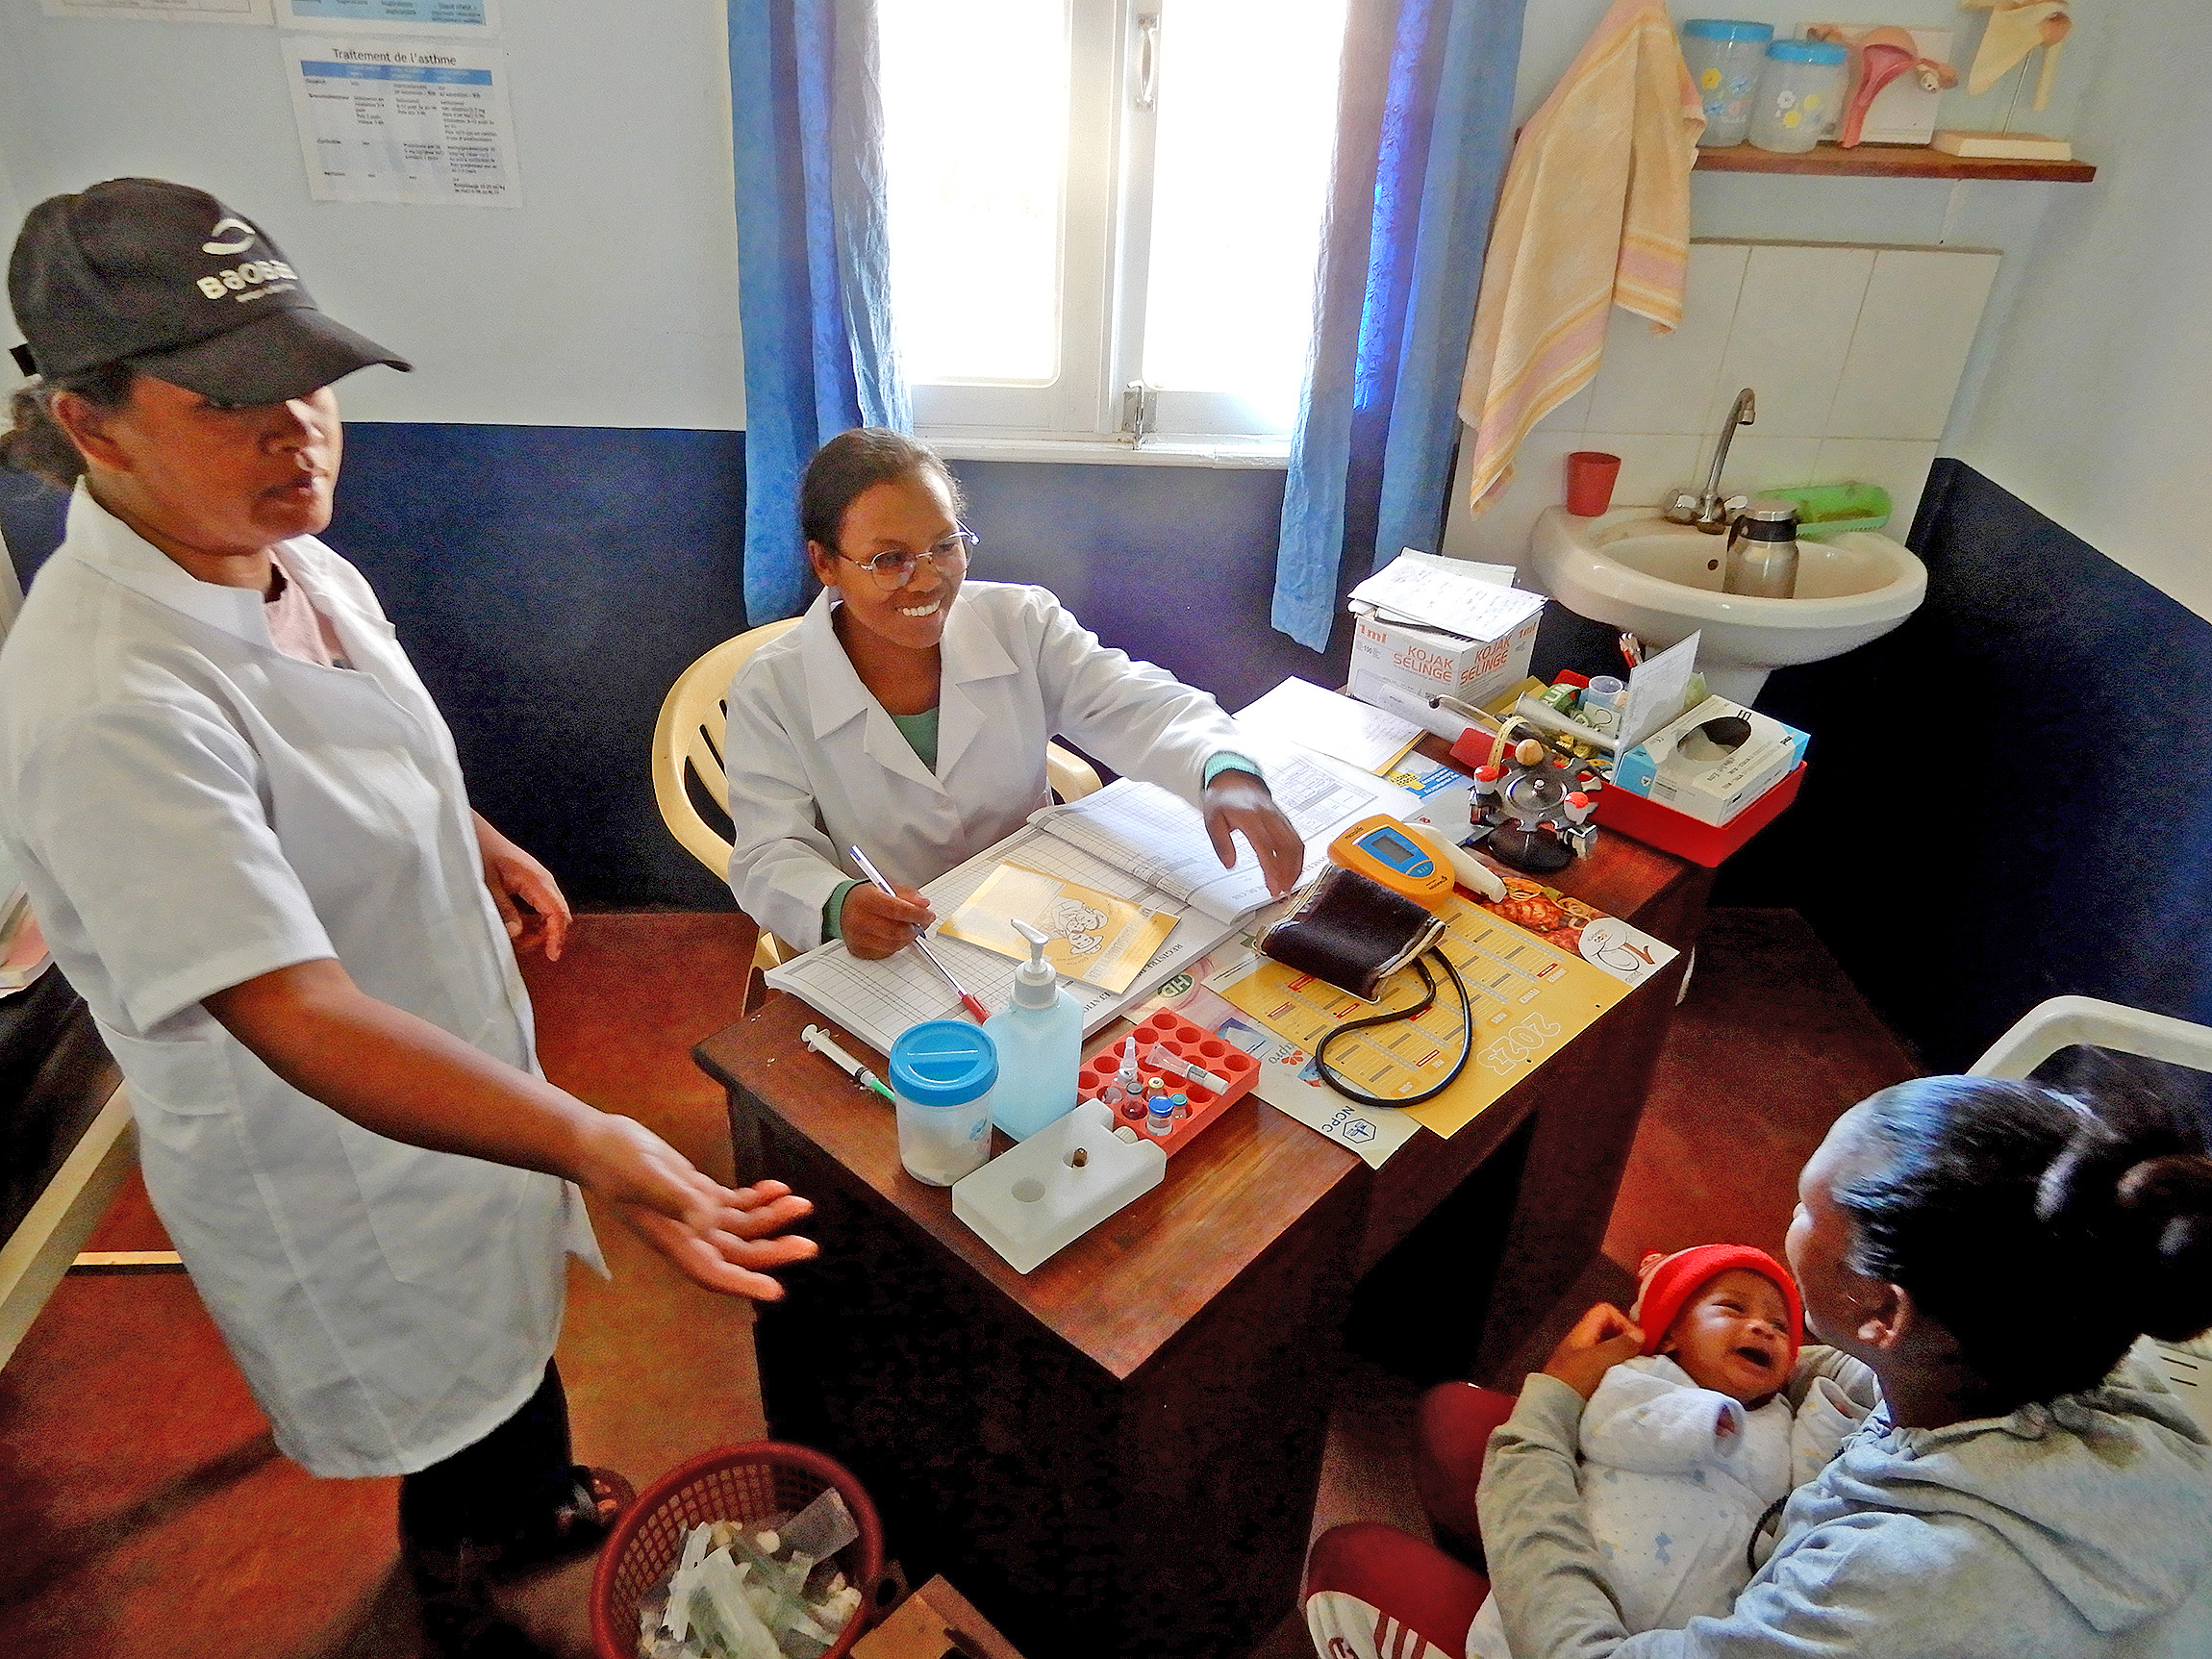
x=1352, y=931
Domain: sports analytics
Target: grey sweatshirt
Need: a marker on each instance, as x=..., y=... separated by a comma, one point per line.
x=2071, y=1530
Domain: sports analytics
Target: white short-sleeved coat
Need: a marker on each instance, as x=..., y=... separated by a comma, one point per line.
x=192, y=809
x=816, y=765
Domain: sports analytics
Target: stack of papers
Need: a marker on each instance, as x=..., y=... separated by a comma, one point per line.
x=1299, y=712
x=1435, y=592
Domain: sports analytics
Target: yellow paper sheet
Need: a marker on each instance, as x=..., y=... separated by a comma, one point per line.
x=1096, y=937
x=1529, y=999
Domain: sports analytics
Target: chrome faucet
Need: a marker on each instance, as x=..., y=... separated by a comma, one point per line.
x=1707, y=510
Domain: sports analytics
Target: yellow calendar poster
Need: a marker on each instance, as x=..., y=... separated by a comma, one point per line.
x=1529, y=1001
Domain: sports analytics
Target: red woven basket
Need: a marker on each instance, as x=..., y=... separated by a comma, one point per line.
x=743, y=1483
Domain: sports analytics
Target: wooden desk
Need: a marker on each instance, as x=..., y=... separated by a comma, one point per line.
x=1118, y=1453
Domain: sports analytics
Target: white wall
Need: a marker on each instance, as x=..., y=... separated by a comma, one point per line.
x=2098, y=409
x=1896, y=213
x=1854, y=353
x=607, y=298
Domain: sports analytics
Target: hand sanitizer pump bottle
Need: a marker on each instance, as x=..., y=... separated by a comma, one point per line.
x=1039, y=1038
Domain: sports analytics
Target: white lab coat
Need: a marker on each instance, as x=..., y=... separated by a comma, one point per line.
x=191, y=809
x=816, y=765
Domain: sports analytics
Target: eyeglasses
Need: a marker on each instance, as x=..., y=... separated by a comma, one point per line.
x=895, y=568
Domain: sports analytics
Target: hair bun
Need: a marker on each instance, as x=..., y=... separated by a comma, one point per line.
x=2172, y=1194
x=2177, y=1184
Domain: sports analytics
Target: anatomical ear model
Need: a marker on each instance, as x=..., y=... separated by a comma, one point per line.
x=2015, y=28
x=1878, y=57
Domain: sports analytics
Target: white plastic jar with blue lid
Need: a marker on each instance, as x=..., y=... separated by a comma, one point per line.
x=1800, y=90
x=1724, y=56
x=943, y=1071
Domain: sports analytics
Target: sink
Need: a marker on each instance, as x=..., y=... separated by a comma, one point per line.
x=1632, y=569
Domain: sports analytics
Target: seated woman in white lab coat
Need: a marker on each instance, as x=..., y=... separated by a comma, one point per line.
x=242, y=825
x=909, y=712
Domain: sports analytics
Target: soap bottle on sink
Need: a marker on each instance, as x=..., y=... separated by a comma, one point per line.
x=1761, y=560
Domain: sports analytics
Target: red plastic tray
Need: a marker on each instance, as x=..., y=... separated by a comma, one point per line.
x=1670, y=831
x=1192, y=1041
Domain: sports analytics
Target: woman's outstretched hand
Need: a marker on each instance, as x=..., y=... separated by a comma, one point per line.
x=1600, y=1339
x=724, y=1239
x=1238, y=802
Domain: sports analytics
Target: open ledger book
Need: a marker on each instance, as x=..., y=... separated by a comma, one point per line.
x=1131, y=839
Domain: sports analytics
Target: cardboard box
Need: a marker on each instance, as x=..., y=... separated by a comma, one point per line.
x=1435, y=660
x=1446, y=627
x=1681, y=767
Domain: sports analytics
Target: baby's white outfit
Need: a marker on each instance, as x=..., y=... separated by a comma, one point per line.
x=1673, y=1502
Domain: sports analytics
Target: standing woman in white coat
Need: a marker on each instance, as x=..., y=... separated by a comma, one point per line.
x=243, y=824
x=908, y=713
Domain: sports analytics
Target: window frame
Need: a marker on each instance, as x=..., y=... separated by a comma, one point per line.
x=1098, y=404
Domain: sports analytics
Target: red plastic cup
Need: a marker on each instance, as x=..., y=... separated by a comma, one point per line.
x=1589, y=477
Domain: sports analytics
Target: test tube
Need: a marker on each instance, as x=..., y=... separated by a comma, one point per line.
x=1167, y=1059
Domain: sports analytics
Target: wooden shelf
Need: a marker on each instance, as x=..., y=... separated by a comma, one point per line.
x=1887, y=162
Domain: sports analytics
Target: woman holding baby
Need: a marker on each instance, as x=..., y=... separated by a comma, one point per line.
x=1990, y=1251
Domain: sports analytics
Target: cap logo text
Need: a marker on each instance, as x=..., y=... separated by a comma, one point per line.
x=249, y=273
x=238, y=228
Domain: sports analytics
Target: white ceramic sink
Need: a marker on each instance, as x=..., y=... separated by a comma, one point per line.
x=1634, y=571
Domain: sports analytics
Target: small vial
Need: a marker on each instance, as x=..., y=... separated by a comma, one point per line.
x=1179, y=1105
x=1111, y=1094
x=1160, y=1120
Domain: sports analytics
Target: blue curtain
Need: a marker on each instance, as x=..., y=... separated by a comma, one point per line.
x=1425, y=127
x=812, y=265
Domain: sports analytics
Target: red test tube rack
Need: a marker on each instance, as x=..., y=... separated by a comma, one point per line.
x=1190, y=1042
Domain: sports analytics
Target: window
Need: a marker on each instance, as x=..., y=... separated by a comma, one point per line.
x=1088, y=195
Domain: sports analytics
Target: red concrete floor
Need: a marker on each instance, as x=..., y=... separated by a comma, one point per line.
x=152, y=1514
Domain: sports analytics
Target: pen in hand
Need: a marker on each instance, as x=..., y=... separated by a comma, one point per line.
x=973, y=1004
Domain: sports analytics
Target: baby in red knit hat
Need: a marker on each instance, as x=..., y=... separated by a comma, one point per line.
x=1686, y=1448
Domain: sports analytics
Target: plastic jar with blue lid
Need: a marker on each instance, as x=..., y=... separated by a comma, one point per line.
x=1724, y=56
x=1800, y=92
x=943, y=1071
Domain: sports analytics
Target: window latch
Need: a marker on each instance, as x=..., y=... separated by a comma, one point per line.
x=1139, y=409
x=1147, y=60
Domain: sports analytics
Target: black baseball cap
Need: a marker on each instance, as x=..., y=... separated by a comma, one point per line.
x=170, y=281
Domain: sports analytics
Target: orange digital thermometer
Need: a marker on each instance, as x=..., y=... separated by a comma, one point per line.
x=1385, y=850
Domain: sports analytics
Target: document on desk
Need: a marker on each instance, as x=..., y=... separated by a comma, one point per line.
x=1302, y=713
x=877, y=1000
x=1162, y=839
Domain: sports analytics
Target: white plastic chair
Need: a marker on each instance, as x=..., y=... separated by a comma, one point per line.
x=687, y=742
x=2065, y=1021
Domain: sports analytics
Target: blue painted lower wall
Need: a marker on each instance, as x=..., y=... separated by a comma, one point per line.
x=2006, y=799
